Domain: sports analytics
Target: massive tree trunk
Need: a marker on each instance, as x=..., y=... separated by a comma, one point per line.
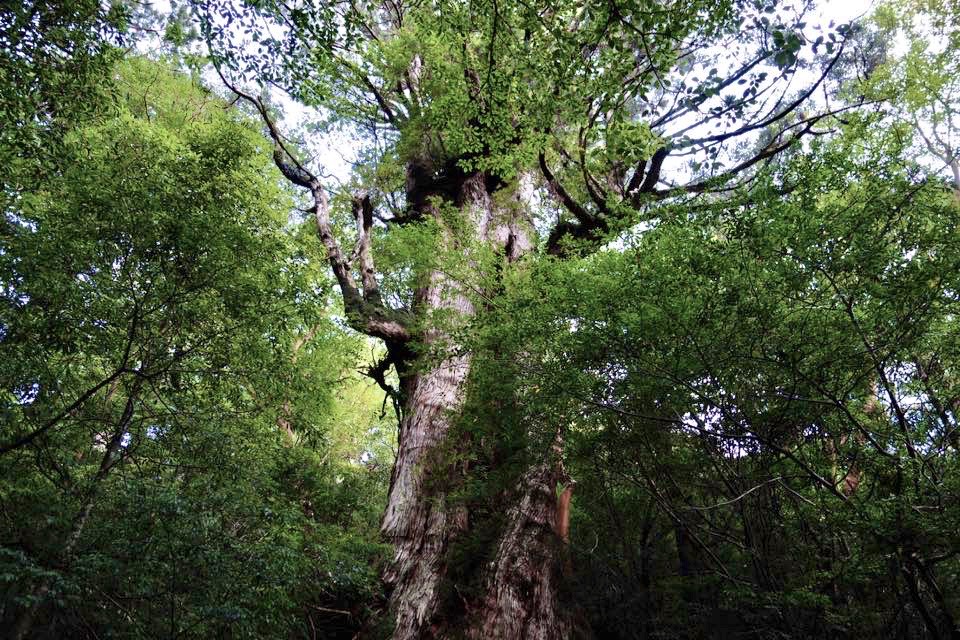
x=519, y=594
x=522, y=585
x=418, y=521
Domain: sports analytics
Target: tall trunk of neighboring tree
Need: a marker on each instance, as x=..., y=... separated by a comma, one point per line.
x=518, y=597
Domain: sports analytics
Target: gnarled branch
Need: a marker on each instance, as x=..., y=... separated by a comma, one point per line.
x=364, y=309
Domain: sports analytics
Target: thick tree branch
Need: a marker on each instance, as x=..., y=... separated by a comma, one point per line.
x=653, y=173
x=574, y=207
x=363, y=214
x=365, y=311
x=587, y=225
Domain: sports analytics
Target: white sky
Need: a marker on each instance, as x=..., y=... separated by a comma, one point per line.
x=334, y=152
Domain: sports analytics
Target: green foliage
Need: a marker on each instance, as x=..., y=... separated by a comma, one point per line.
x=920, y=84
x=52, y=58
x=153, y=297
x=715, y=380
x=755, y=385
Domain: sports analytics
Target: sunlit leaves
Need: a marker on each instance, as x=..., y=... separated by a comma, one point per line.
x=154, y=265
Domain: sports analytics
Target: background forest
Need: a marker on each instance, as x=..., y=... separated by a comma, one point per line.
x=479, y=319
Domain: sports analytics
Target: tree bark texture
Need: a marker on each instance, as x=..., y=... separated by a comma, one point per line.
x=522, y=585
x=519, y=596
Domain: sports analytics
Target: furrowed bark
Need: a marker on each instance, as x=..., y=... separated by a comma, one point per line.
x=418, y=522
x=519, y=597
x=521, y=590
